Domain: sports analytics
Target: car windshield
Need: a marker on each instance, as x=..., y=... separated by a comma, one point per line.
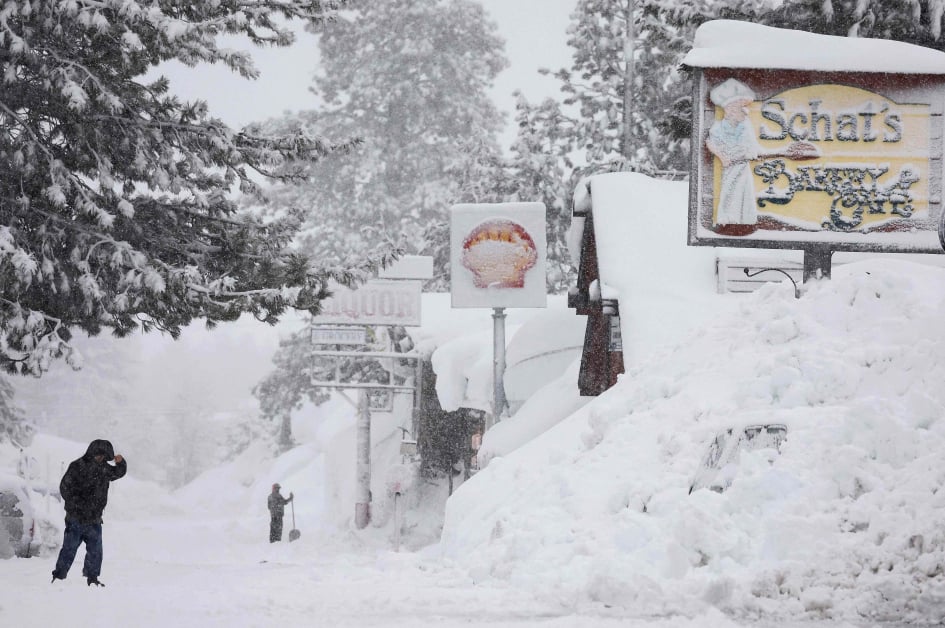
x=725, y=449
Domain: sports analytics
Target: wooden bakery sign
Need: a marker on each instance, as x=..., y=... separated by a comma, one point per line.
x=792, y=159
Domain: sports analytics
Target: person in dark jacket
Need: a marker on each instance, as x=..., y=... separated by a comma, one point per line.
x=276, y=511
x=84, y=489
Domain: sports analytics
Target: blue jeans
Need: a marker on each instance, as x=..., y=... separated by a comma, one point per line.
x=76, y=534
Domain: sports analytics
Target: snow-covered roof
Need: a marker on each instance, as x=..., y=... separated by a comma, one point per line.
x=733, y=44
x=636, y=220
x=459, y=343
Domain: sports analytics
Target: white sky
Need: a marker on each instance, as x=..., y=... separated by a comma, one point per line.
x=534, y=31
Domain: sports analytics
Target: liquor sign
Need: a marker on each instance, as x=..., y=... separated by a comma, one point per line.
x=377, y=302
x=339, y=335
x=785, y=158
x=497, y=255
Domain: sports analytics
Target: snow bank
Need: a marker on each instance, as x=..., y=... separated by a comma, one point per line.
x=540, y=351
x=847, y=522
x=556, y=400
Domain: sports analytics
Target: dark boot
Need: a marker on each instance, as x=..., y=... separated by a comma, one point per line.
x=56, y=576
x=95, y=582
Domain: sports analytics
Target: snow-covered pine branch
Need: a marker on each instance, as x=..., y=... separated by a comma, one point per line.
x=117, y=202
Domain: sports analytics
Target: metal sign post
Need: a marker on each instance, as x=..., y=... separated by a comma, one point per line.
x=362, y=506
x=499, y=402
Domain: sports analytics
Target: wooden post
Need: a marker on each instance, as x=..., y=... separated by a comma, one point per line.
x=817, y=262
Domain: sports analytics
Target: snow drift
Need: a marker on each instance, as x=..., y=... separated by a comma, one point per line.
x=847, y=522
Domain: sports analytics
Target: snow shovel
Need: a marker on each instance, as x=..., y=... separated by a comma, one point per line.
x=293, y=533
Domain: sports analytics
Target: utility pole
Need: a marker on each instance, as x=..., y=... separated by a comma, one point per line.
x=362, y=506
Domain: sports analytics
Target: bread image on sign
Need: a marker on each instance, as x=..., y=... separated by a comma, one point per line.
x=499, y=252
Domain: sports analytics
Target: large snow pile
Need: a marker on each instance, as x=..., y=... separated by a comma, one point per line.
x=848, y=521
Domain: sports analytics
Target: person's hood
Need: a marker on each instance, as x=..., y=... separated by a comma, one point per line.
x=100, y=447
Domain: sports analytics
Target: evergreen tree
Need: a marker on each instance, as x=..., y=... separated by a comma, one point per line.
x=624, y=81
x=913, y=21
x=288, y=386
x=13, y=425
x=623, y=98
x=541, y=168
x=410, y=79
x=116, y=209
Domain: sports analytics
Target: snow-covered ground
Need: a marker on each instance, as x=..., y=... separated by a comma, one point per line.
x=200, y=557
x=188, y=571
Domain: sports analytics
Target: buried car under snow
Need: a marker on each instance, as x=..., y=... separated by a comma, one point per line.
x=721, y=460
x=17, y=523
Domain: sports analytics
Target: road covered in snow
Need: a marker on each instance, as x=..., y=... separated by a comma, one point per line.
x=175, y=570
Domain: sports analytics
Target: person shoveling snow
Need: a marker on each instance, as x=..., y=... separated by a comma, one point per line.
x=276, y=505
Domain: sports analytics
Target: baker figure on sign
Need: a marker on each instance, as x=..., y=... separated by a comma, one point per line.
x=732, y=140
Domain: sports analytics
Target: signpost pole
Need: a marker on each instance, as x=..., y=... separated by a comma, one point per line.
x=497, y=260
x=498, y=363
x=362, y=507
